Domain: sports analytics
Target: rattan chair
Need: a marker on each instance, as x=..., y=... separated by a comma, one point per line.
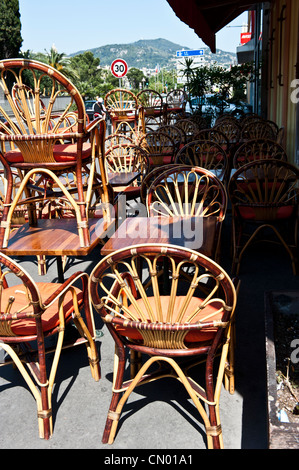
x=259, y=129
x=206, y=154
x=152, y=103
x=189, y=127
x=227, y=118
x=216, y=135
x=160, y=147
x=126, y=158
x=116, y=139
x=264, y=195
x=231, y=128
x=200, y=120
x=126, y=114
x=176, y=101
x=258, y=149
x=48, y=143
x=183, y=317
x=176, y=133
x=31, y=313
x=150, y=177
x=185, y=191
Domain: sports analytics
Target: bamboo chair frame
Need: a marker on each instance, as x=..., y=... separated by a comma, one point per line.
x=247, y=118
x=126, y=115
x=231, y=129
x=259, y=129
x=20, y=215
x=125, y=158
x=149, y=178
x=159, y=146
x=25, y=303
x=176, y=101
x=266, y=188
x=216, y=135
x=258, y=149
x=36, y=137
x=190, y=128
x=176, y=133
x=200, y=121
x=119, y=295
x=116, y=139
x=227, y=118
x=186, y=191
x=152, y=103
x=205, y=154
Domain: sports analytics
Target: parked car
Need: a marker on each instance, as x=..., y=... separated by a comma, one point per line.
x=89, y=108
x=212, y=105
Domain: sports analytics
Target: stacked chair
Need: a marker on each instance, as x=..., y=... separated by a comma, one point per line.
x=126, y=113
x=44, y=144
x=152, y=103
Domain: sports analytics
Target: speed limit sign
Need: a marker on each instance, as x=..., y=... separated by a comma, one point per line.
x=119, y=68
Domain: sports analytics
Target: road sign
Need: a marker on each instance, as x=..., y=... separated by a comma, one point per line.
x=119, y=68
x=189, y=53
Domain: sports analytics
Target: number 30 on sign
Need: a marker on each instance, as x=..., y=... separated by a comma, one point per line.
x=119, y=68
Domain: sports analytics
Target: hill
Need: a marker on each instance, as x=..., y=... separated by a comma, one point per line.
x=150, y=52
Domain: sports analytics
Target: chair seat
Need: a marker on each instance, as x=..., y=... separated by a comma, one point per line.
x=153, y=112
x=130, y=116
x=62, y=153
x=131, y=191
x=175, y=109
x=266, y=213
x=161, y=160
x=50, y=318
x=209, y=313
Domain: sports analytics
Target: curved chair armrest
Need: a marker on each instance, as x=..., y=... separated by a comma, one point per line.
x=93, y=124
x=65, y=286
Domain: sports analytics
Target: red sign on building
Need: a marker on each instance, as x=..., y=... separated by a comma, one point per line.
x=245, y=37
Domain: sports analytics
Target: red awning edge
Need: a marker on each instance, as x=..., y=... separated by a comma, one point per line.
x=189, y=13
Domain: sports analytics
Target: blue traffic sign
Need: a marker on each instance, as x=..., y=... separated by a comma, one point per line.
x=189, y=53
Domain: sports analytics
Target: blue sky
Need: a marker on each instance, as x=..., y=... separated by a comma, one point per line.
x=73, y=25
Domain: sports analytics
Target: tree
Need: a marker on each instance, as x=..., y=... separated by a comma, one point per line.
x=135, y=77
x=10, y=29
x=59, y=61
x=89, y=79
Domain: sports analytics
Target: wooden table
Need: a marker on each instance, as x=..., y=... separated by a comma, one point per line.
x=198, y=233
x=123, y=178
x=55, y=237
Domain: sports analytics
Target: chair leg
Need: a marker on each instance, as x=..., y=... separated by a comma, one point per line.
x=92, y=353
x=229, y=372
x=87, y=331
x=113, y=415
x=135, y=362
x=212, y=424
x=44, y=411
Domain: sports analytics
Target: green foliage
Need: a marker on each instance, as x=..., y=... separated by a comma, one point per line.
x=135, y=77
x=164, y=81
x=226, y=84
x=10, y=29
x=88, y=79
x=58, y=61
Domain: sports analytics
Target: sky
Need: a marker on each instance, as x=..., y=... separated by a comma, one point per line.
x=73, y=25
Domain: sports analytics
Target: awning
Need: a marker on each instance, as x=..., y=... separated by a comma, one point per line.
x=206, y=18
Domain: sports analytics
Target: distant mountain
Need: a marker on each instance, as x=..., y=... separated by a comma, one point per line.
x=150, y=52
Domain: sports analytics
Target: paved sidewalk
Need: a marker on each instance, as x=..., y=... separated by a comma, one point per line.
x=158, y=415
